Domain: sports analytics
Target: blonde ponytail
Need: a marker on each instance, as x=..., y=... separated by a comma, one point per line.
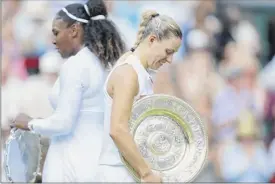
x=146, y=17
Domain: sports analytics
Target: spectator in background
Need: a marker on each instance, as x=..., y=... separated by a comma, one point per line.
x=236, y=29
x=10, y=48
x=240, y=71
x=227, y=105
x=251, y=67
x=246, y=35
x=229, y=16
x=203, y=19
x=246, y=160
x=193, y=73
x=32, y=30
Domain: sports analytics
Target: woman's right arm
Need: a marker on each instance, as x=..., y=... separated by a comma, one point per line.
x=124, y=82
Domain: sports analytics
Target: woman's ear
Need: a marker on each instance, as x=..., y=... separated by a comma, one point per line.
x=74, y=30
x=152, y=39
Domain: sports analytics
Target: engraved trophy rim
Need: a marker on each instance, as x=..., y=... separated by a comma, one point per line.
x=136, y=120
x=14, y=134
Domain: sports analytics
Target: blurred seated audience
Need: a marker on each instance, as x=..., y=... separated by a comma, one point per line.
x=246, y=159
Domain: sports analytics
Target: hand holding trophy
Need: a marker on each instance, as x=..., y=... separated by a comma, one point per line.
x=170, y=136
x=21, y=122
x=151, y=177
x=23, y=152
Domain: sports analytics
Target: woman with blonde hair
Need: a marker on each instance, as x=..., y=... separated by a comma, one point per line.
x=159, y=37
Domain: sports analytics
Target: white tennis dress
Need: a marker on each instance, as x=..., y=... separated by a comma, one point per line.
x=76, y=126
x=111, y=168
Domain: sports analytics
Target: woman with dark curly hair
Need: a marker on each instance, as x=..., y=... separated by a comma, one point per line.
x=90, y=41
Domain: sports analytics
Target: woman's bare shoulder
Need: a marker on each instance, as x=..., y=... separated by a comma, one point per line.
x=124, y=74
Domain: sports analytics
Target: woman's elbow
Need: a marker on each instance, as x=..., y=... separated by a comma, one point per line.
x=65, y=128
x=117, y=132
x=113, y=134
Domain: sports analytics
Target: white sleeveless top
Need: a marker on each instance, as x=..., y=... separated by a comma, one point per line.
x=109, y=153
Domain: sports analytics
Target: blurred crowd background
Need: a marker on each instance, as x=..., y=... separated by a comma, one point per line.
x=225, y=69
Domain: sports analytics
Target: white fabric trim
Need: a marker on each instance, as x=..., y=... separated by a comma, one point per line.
x=98, y=17
x=74, y=17
x=87, y=9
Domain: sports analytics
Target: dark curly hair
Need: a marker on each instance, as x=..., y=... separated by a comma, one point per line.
x=100, y=36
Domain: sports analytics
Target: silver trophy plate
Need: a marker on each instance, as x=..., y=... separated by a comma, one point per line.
x=170, y=136
x=22, y=156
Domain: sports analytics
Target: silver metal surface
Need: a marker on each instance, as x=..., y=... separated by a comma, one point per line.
x=170, y=136
x=22, y=156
